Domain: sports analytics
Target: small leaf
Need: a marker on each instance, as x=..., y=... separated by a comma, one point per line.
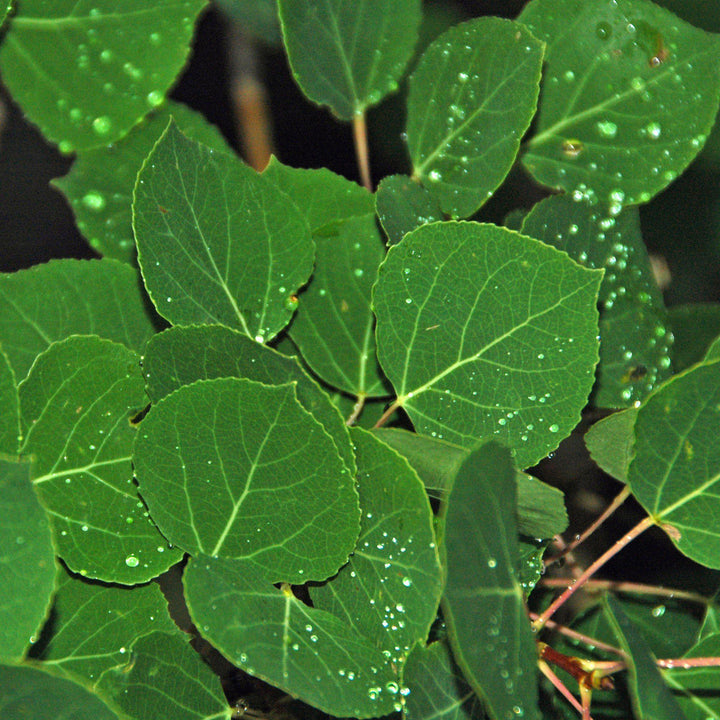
x=77, y=404
x=349, y=56
x=694, y=326
x=71, y=297
x=483, y=604
x=471, y=99
x=216, y=460
x=217, y=242
x=483, y=331
x=85, y=74
x=629, y=95
x=27, y=562
x=611, y=441
x=10, y=415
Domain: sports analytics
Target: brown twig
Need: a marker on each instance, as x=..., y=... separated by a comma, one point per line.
x=361, y=149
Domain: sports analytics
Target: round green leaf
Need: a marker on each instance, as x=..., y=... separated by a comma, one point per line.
x=483, y=331
x=471, y=99
x=86, y=73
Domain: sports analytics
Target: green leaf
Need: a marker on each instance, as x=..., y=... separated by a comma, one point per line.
x=71, y=297
x=630, y=93
x=437, y=689
x=100, y=183
x=390, y=588
x=217, y=242
x=334, y=325
x=611, y=441
x=216, y=460
x=403, y=205
x=694, y=326
x=635, y=339
x=86, y=74
x=4, y=10
x=676, y=468
x=651, y=697
x=483, y=604
x=259, y=17
x=172, y=360
x=272, y=635
x=27, y=562
x=76, y=407
x=530, y=566
x=349, y=56
x=483, y=331
x=541, y=508
x=10, y=415
x=471, y=99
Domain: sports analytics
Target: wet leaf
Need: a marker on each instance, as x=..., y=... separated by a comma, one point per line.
x=611, y=441
x=214, y=461
x=10, y=415
x=483, y=331
x=695, y=326
x=217, y=242
x=85, y=74
x=27, y=562
x=71, y=297
x=471, y=99
x=629, y=95
x=349, y=56
x=541, y=509
x=76, y=407
x=100, y=183
x=483, y=603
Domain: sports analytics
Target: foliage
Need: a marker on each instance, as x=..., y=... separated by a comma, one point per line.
x=183, y=407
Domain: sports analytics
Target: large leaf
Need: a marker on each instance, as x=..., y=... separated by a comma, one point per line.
x=100, y=183
x=237, y=469
x=70, y=297
x=675, y=472
x=86, y=73
x=76, y=406
x=349, y=55
x=217, y=242
x=271, y=634
x=483, y=331
x=10, y=415
x=471, y=99
x=635, y=339
x=483, y=603
x=629, y=95
x=27, y=562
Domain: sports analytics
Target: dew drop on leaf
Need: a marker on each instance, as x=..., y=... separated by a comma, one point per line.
x=131, y=561
x=102, y=125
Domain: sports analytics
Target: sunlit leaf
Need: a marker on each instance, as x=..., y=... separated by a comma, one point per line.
x=483, y=331
x=610, y=442
x=217, y=242
x=694, y=326
x=85, y=72
x=471, y=99
x=10, y=415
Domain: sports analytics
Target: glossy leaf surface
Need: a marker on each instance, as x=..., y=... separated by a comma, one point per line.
x=611, y=441
x=349, y=55
x=217, y=242
x=616, y=75
x=483, y=331
x=76, y=406
x=471, y=99
x=10, y=416
x=84, y=73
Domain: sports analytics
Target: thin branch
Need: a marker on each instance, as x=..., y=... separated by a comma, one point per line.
x=575, y=635
x=386, y=415
x=558, y=683
x=688, y=663
x=361, y=149
x=357, y=409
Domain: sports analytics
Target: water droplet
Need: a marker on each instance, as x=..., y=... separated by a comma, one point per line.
x=554, y=428
x=155, y=98
x=653, y=130
x=407, y=582
x=569, y=76
x=131, y=561
x=603, y=31
x=93, y=201
x=106, y=56
x=101, y=125
x=572, y=147
x=434, y=176
x=155, y=39
x=492, y=563
x=607, y=129
x=358, y=272
x=658, y=611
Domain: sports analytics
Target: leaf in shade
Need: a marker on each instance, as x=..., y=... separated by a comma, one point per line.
x=541, y=509
x=610, y=442
x=85, y=74
x=635, y=340
x=100, y=183
x=616, y=75
x=272, y=635
x=334, y=325
x=27, y=562
x=675, y=472
x=402, y=205
x=694, y=327
x=10, y=415
x=76, y=407
x=389, y=590
x=102, y=297
x=483, y=331
x=217, y=242
x=471, y=99
x=5, y=7
x=483, y=603
x=530, y=566
x=349, y=56
x=218, y=459
x=259, y=17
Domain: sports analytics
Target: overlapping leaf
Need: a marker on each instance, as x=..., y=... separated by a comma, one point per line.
x=76, y=406
x=217, y=242
x=10, y=416
x=694, y=328
x=237, y=469
x=86, y=73
x=610, y=442
x=696, y=689
x=483, y=331
x=629, y=95
x=348, y=56
x=471, y=99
